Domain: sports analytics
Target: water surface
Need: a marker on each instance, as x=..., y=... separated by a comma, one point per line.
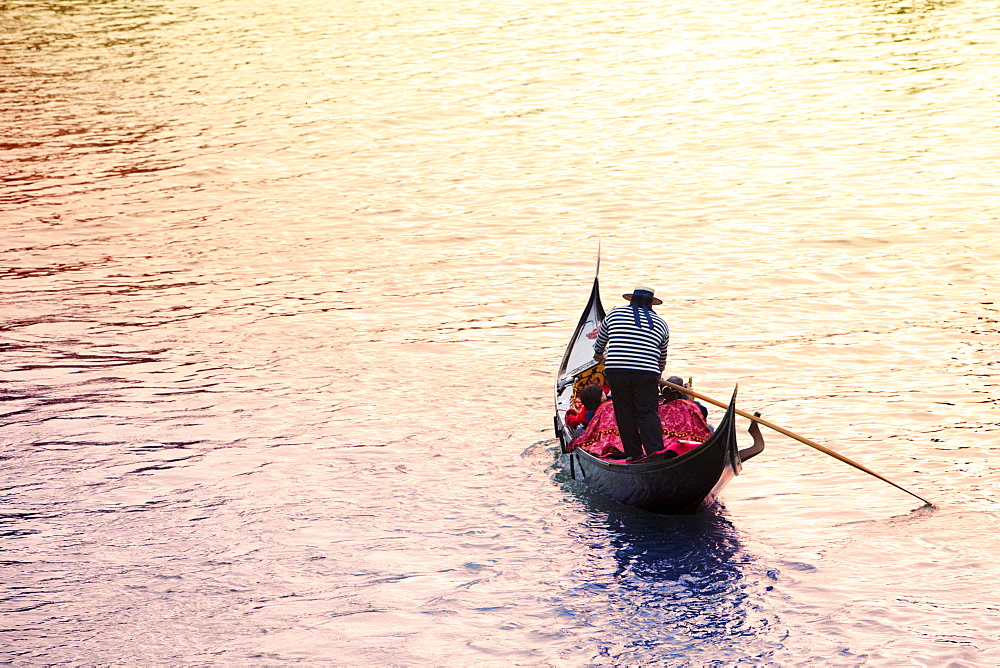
x=284, y=288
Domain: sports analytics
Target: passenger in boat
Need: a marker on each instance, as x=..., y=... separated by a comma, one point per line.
x=684, y=426
x=591, y=397
x=632, y=343
x=677, y=380
x=600, y=438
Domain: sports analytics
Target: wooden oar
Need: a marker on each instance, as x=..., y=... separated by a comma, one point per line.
x=811, y=444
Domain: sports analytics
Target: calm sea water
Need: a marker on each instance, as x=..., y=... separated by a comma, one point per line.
x=284, y=286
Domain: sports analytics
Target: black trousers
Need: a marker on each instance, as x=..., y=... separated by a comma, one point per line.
x=635, y=396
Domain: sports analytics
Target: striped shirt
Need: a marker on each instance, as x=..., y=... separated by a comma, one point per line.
x=636, y=348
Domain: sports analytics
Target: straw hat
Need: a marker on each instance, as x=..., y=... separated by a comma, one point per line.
x=642, y=292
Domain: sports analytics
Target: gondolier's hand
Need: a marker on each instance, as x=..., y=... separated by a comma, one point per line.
x=600, y=358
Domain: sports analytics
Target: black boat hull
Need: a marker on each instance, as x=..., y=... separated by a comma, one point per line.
x=678, y=486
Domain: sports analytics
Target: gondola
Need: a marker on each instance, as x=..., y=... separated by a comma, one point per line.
x=682, y=485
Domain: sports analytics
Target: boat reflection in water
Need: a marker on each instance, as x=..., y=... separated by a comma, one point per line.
x=675, y=588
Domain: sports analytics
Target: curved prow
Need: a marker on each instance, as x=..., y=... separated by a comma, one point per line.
x=758, y=441
x=725, y=435
x=580, y=350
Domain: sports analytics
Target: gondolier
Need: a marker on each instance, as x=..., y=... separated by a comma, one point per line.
x=632, y=342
